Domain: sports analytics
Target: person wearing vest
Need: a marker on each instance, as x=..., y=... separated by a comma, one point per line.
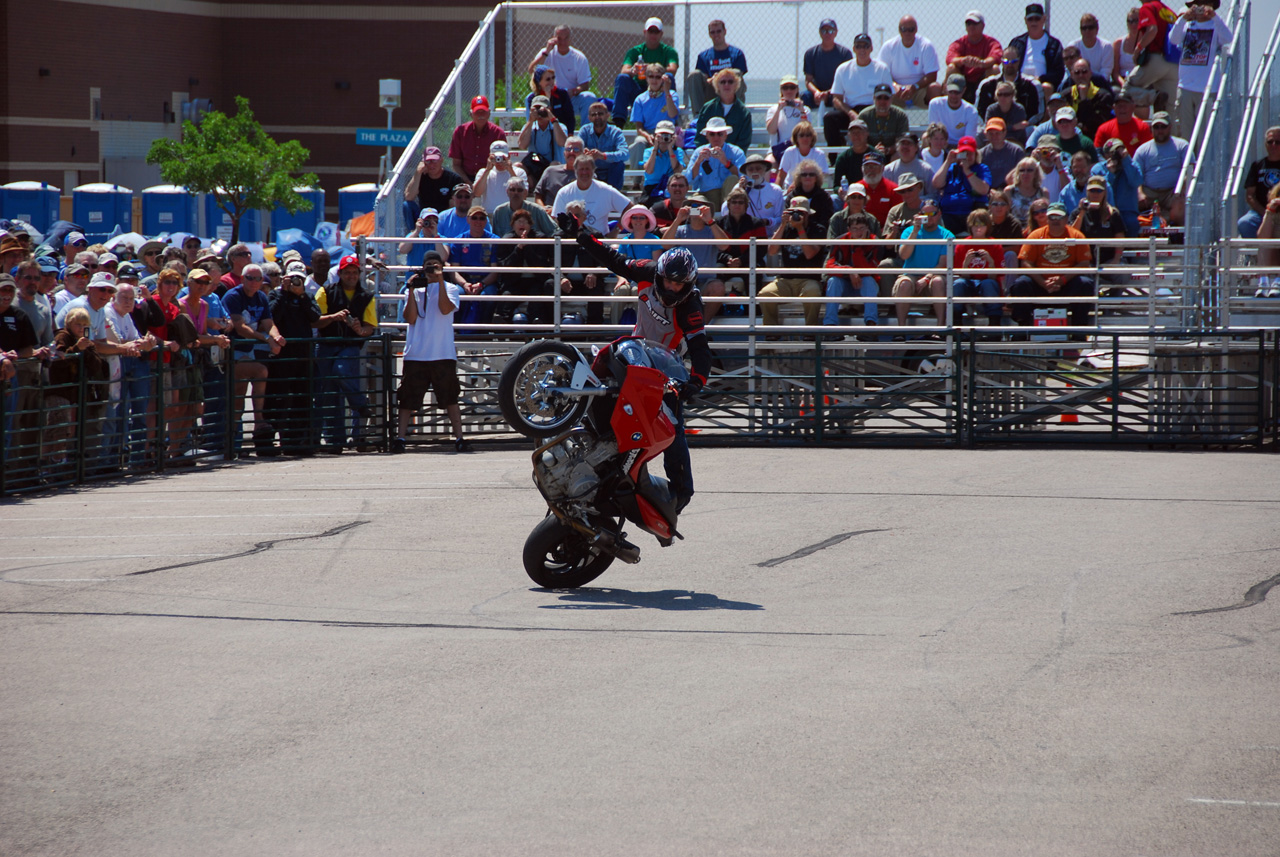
x=348, y=317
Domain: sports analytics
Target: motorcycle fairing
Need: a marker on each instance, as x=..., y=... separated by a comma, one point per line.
x=639, y=419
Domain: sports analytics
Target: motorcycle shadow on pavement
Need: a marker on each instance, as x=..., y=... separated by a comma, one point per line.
x=624, y=599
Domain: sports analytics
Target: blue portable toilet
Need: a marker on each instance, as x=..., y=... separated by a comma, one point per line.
x=304, y=220
x=217, y=223
x=101, y=207
x=36, y=203
x=168, y=208
x=355, y=200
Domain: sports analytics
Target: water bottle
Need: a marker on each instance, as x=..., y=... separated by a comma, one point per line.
x=1156, y=221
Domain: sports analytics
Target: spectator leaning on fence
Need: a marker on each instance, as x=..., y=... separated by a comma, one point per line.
x=471, y=261
x=348, y=318
x=254, y=335
x=573, y=71
x=715, y=59
x=430, y=355
x=289, y=398
x=630, y=80
x=1263, y=175
x=820, y=64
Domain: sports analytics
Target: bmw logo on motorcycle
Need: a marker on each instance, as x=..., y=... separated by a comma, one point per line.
x=636, y=436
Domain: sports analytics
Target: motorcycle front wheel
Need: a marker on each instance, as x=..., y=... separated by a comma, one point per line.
x=557, y=556
x=524, y=389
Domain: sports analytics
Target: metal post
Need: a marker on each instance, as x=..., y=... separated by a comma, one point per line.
x=866, y=16
x=510, y=10
x=951, y=261
x=686, y=54
x=390, y=163
x=555, y=255
x=751, y=334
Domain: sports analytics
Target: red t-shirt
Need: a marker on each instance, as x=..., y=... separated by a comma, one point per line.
x=880, y=199
x=986, y=48
x=1133, y=133
x=471, y=143
x=963, y=252
x=1157, y=14
x=162, y=331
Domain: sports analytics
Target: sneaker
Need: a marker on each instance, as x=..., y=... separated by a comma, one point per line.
x=397, y=445
x=462, y=445
x=1264, y=286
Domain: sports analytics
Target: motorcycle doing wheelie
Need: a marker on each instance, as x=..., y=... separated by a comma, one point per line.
x=601, y=434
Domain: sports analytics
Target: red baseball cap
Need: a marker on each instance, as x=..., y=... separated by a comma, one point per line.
x=348, y=261
x=967, y=144
x=479, y=102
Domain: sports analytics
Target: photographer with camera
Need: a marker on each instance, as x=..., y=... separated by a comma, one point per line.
x=696, y=221
x=543, y=137
x=962, y=184
x=430, y=355
x=790, y=247
x=491, y=182
x=661, y=161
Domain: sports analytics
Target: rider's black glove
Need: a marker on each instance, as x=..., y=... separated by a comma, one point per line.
x=568, y=224
x=691, y=388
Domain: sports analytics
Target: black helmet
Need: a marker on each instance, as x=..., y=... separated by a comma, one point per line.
x=676, y=264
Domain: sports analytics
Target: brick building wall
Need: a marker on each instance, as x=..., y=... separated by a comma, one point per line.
x=81, y=101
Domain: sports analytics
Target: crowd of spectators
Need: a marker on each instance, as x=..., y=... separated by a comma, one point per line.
x=1010, y=130
x=135, y=357
x=1030, y=141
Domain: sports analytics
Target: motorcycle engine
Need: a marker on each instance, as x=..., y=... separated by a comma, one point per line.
x=570, y=470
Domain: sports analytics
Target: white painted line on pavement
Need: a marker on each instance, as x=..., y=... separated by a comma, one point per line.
x=104, y=556
x=57, y=580
x=132, y=536
x=1263, y=803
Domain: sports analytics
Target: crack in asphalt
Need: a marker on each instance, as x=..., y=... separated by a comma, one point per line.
x=341, y=623
x=257, y=548
x=811, y=549
x=1256, y=595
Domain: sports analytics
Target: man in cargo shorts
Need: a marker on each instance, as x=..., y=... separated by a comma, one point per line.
x=430, y=356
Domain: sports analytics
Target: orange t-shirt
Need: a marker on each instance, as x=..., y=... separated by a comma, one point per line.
x=1073, y=252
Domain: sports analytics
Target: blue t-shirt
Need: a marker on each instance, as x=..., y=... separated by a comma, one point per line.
x=711, y=60
x=705, y=254
x=661, y=167
x=452, y=224
x=957, y=196
x=639, y=252
x=253, y=309
x=719, y=173
x=468, y=256
x=417, y=251
x=927, y=255
x=822, y=64
x=647, y=111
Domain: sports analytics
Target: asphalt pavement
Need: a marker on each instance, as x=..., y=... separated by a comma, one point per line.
x=854, y=651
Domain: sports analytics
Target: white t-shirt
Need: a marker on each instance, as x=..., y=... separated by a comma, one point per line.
x=790, y=118
x=1200, y=42
x=933, y=164
x=1101, y=56
x=961, y=122
x=908, y=65
x=855, y=83
x=572, y=69
x=600, y=199
x=431, y=336
x=791, y=159
x=1033, y=63
x=495, y=189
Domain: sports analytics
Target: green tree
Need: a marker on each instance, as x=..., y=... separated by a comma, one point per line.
x=232, y=158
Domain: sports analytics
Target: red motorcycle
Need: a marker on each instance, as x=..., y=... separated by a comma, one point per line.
x=593, y=471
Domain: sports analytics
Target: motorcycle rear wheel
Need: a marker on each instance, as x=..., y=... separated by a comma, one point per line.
x=557, y=556
x=522, y=396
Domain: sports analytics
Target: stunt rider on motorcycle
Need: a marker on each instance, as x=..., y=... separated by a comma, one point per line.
x=670, y=315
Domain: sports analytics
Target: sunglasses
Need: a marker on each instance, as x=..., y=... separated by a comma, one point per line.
x=462, y=196
x=1084, y=27
x=906, y=29
x=252, y=279
x=478, y=217
x=1039, y=211
x=997, y=203
x=233, y=255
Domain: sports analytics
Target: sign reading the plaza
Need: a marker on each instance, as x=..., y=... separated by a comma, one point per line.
x=382, y=137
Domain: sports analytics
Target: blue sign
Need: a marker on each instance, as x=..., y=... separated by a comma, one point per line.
x=382, y=137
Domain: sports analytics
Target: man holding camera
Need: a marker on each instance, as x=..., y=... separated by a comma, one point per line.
x=430, y=355
x=792, y=244
x=931, y=258
x=696, y=221
x=715, y=166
